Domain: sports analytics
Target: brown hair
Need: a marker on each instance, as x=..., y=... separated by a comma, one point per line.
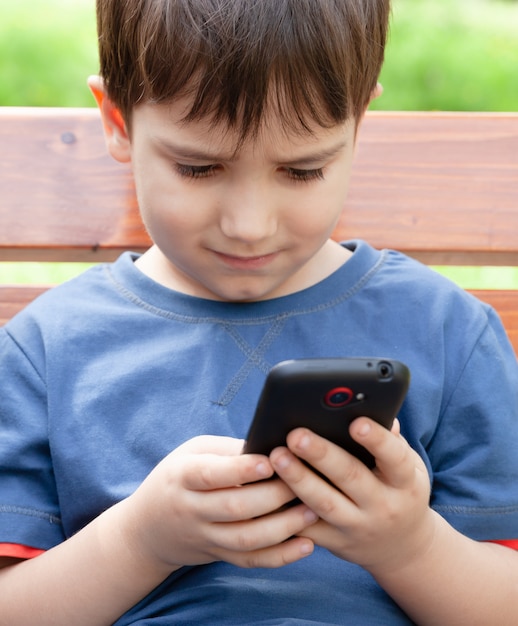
x=315, y=60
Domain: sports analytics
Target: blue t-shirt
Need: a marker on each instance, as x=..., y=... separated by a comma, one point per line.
x=102, y=377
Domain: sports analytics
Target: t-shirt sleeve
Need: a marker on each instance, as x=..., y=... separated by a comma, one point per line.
x=474, y=451
x=19, y=552
x=512, y=543
x=29, y=510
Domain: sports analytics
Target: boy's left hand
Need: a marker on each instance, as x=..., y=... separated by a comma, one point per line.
x=379, y=519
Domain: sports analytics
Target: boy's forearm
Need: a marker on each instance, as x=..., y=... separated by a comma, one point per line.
x=458, y=582
x=93, y=578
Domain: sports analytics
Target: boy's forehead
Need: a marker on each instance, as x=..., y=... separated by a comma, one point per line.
x=165, y=123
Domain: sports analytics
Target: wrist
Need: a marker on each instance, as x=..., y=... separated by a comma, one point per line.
x=415, y=551
x=123, y=535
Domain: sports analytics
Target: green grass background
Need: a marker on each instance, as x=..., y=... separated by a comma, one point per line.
x=442, y=55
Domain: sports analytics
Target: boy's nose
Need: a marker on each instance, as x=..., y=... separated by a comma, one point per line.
x=248, y=216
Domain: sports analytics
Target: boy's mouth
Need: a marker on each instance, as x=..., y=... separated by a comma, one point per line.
x=246, y=262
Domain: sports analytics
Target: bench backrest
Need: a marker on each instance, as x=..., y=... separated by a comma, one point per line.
x=441, y=187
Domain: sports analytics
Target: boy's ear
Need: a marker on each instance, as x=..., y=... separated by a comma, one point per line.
x=376, y=92
x=115, y=131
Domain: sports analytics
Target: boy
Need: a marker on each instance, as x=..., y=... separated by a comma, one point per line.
x=126, y=393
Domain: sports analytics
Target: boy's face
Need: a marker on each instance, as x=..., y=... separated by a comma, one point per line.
x=242, y=226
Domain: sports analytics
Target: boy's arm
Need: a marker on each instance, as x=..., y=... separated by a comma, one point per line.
x=188, y=511
x=93, y=578
x=381, y=520
x=457, y=581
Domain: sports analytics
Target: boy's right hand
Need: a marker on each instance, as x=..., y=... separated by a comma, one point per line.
x=208, y=502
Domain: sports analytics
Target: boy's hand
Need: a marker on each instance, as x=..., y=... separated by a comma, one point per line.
x=208, y=502
x=379, y=518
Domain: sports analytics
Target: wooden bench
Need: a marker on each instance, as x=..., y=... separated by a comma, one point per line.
x=441, y=187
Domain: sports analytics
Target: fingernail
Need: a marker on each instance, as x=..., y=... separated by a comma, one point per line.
x=282, y=462
x=304, y=442
x=364, y=429
x=262, y=469
x=306, y=548
x=310, y=516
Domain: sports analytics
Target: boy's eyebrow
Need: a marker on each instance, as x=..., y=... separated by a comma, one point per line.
x=189, y=153
x=317, y=157
x=186, y=152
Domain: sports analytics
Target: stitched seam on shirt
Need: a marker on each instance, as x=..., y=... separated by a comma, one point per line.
x=255, y=358
x=129, y=295
x=475, y=511
x=27, y=357
x=18, y=510
x=256, y=354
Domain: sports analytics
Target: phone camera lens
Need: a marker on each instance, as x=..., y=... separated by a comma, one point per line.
x=338, y=397
x=385, y=370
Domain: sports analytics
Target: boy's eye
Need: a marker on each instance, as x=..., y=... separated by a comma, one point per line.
x=203, y=171
x=305, y=175
x=195, y=171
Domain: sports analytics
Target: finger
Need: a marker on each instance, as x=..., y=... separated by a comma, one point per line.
x=349, y=475
x=276, y=556
x=396, y=427
x=264, y=532
x=326, y=535
x=241, y=503
x=396, y=462
x=210, y=444
x=325, y=499
x=207, y=472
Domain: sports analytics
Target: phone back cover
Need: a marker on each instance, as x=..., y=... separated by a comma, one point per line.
x=295, y=391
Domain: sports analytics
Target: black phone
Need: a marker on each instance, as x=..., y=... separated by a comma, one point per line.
x=326, y=395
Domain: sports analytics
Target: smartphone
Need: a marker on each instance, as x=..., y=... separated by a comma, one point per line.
x=326, y=395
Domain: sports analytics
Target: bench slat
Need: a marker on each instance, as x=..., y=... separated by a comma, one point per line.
x=442, y=187
x=505, y=303
x=71, y=200
x=14, y=297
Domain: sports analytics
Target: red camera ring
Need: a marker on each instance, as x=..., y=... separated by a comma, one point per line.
x=345, y=394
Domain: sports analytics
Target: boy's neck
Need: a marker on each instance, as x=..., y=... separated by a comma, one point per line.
x=325, y=262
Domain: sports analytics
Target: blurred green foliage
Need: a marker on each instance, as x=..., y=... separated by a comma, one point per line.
x=452, y=55
x=442, y=54
x=47, y=50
